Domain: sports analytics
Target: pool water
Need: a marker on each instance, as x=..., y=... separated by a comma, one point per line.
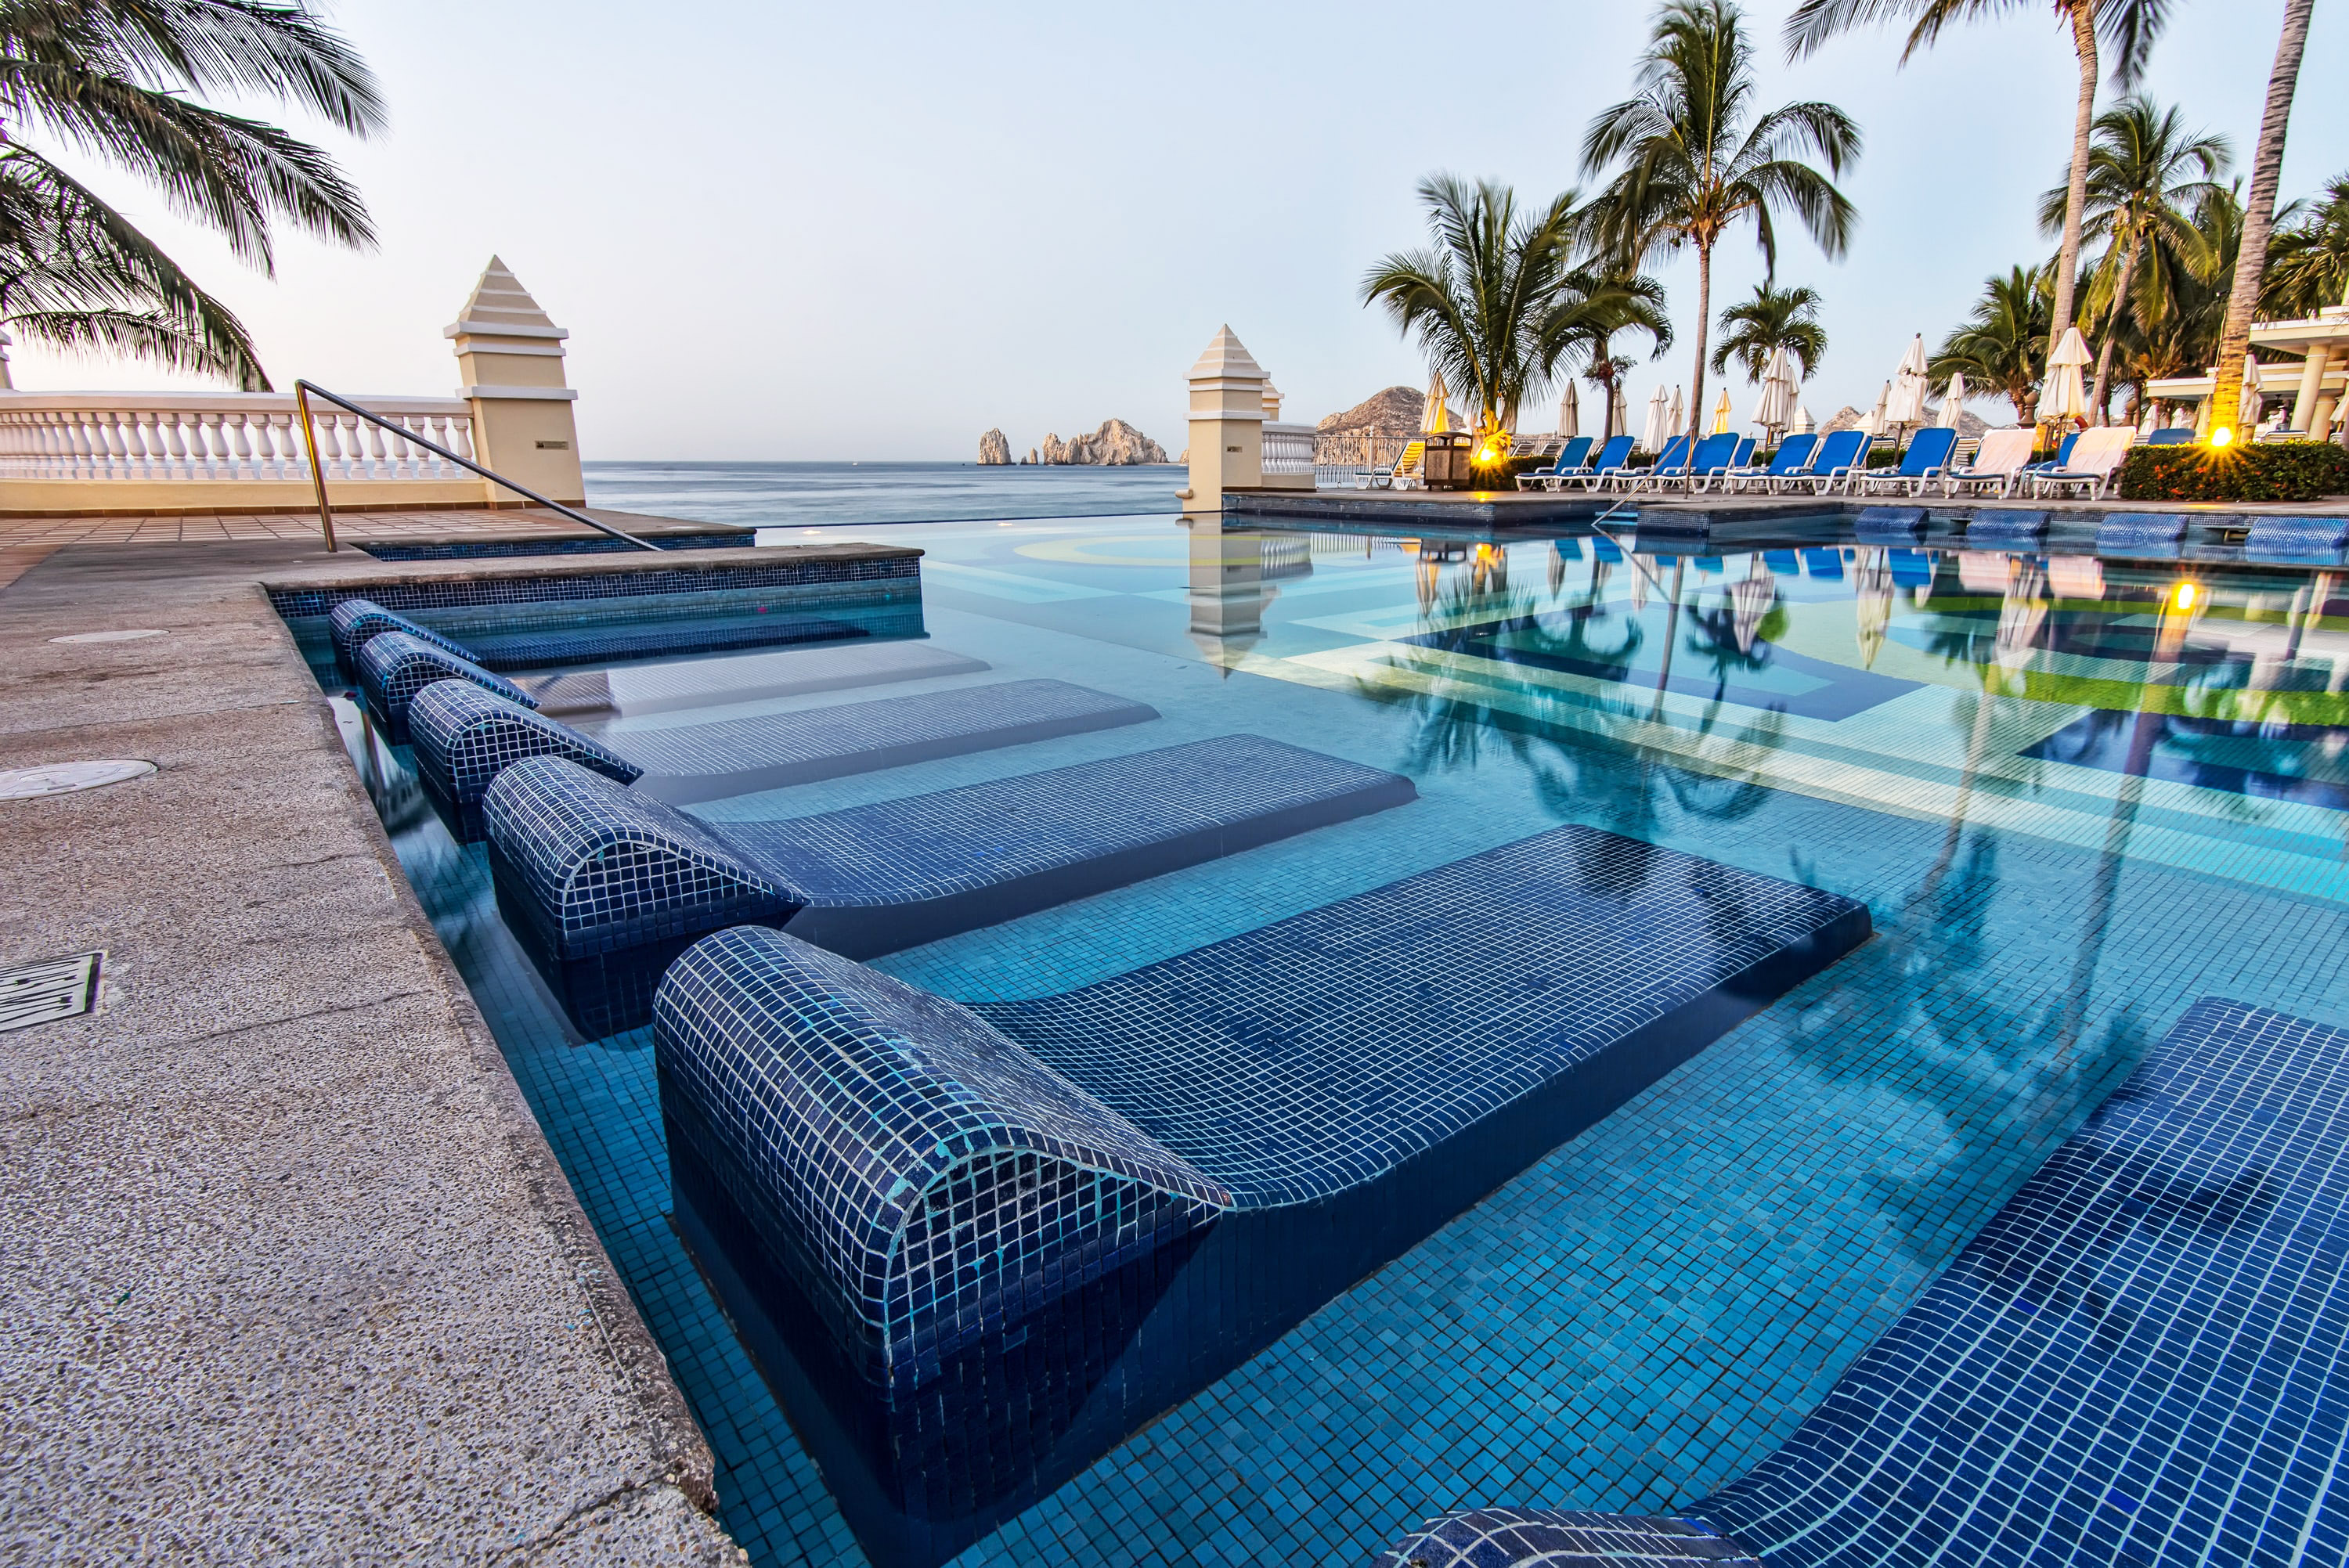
x=2075, y=796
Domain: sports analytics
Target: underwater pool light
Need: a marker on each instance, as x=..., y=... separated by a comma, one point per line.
x=2183, y=597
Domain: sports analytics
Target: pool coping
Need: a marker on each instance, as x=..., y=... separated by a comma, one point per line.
x=587, y=1440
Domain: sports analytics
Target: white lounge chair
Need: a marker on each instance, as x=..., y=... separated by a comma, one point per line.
x=2096, y=457
x=1998, y=463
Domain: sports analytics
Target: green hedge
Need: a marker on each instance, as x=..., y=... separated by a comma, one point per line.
x=2283, y=471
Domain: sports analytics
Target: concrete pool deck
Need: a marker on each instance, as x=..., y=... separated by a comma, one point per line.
x=291, y=1272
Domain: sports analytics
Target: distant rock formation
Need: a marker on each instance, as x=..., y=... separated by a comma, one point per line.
x=1392, y=412
x=1116, y=445
x=1970, y=424
x=994, y=451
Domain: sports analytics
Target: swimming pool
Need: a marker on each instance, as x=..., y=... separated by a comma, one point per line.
x=2076, y=794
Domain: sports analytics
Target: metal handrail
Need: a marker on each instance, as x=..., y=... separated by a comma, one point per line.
x=302, y=390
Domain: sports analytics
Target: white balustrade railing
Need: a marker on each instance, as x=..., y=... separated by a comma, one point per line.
x=198, y=436
x=1288, y=449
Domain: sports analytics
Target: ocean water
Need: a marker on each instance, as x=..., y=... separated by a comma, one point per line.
x=777, y=495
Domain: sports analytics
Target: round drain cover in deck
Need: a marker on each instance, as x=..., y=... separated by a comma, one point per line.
x=65, y=778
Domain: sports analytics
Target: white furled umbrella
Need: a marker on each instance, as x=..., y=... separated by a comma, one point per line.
x=1619, y=414
x=1721, y=414
x=1680, y=415
x=1879, y=418
x=1778, y=392
x=1904, y=395
x=1953, y=401
x=1801, y=424
x=2064, y=394
x=1652, y=439
x=1569, y=414
x=1434, y=418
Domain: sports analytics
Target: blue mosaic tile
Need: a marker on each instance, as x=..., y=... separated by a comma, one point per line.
x=873, y=879
x=2137, y=533
x=1881, y=522
x=2005, y=526
x=708, y=761
x=394, y=667
x=356, y=622
x=1341, y=1105
x=542, y=649
x=2294, y=538
x=2139, y=1360
x=464, y=735
x=431, y=593
x=1541, y=1538
x=507, y=548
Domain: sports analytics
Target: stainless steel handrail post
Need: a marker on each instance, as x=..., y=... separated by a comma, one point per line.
x=317, y=473
x=303, y=387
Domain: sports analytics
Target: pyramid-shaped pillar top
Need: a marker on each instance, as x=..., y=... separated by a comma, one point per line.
x=1227, y=359
x=500, y=306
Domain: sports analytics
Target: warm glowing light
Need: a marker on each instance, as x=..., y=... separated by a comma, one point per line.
x=2183, y=597
x=2221, y=436
x=1487, y=452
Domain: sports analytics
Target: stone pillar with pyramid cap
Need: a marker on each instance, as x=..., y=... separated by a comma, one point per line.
x=511, y=357
x=1226, y=423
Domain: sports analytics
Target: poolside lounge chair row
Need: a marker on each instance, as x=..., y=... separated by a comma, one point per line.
x=1835, y=463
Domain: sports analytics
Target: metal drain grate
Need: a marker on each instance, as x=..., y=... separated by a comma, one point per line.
x=52, y=989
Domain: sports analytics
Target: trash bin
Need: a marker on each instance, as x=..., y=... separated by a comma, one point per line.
x=1446, y=460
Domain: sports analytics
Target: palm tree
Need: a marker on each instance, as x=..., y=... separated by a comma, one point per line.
x=2005, y=342
x=1695, y=159
x=2129, y=25
x=1752, y=330
x=1497, y=306
x=1615, y=299
x=2259, y=219
x=120, y=79
x=2308, y=258
x=2142, y=173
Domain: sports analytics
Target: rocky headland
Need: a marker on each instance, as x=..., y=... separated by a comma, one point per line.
x=994, y=451
x=1116, y=445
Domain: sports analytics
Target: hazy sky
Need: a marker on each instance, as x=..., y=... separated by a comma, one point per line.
x=785, y=231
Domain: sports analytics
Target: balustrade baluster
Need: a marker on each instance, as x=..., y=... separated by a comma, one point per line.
x=285, y=447
x=175, y=432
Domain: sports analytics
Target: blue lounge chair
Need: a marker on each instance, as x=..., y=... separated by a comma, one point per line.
x=1672, y=461
x=1840, y=455
x=1923, y=464
x=1716, y=457
x=1792, y=455
x=2063, y=456
x=1604, y=467
x=2172, y=435
x=1569, y=461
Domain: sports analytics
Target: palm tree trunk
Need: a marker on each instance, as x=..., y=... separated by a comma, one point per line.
x=2259, y=217
x=2113, y=324
x=1704, y=319
x=2075, y=194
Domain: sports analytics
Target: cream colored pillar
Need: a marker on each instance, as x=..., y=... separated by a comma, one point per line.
x=2311, y=386
x=1226, y=423
x=510, y=358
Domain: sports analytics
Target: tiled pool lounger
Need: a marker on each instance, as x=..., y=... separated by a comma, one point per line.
x=353, y=623
x=2142, y=1359
x=607, y=885
x=641, y=689
x=1232, y=1137
x=466, y=743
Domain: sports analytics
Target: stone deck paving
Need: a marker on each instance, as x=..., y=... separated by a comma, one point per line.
x=288, y=1271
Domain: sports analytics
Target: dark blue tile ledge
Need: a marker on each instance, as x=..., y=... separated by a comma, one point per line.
x=2138, y=1361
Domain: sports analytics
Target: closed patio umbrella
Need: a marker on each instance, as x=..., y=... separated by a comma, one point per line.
x=1569, y=414
x=1779, y=388
x=1878, y=418
x=2063, y=396
x=1721, y=414
x=1653, y=438
x=1434, y=418
x=1953, y=401
x=1904, y=395
x=1679, y=416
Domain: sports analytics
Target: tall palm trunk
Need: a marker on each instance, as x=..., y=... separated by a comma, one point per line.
x=2113, y=322
x=2259, y=217
x=1704, y=319
x=2075, y=193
